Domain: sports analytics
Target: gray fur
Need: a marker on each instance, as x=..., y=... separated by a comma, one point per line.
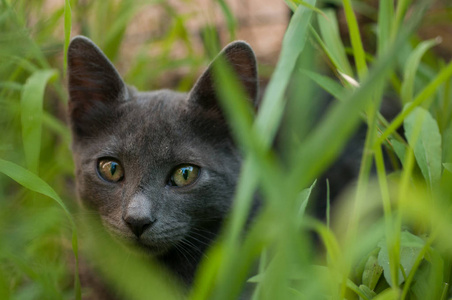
x=151, y=133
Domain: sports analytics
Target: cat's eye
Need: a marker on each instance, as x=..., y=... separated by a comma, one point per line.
x=184, y=175
x=110, y=169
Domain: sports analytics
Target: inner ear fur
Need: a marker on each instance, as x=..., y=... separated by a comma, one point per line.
x=240, y=56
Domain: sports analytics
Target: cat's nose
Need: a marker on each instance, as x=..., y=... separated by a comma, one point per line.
x=138, y=224
x=138, y=214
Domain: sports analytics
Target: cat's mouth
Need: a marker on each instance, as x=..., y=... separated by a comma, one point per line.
x=155, y=246
x=150, y=249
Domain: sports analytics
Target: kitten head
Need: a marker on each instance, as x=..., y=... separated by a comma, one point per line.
x=159, y=167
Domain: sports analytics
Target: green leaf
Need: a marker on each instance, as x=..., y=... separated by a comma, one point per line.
x=411, y=67
x=448, y=166
x=367, y=292
x=388, y=294
x=428, y=281
x=423, y=136
x=410, y=247
x=31, y=115
x=372, y=272
x=303, y=198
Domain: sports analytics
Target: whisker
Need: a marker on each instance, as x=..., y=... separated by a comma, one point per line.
x=183, y=250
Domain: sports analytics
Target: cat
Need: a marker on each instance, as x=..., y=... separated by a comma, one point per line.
x=159, y=167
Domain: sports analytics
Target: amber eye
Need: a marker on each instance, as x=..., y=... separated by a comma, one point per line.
x=110, y=169
x=184, y=175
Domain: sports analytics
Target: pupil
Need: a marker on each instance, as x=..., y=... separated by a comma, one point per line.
x=113, y=168
x=185, y=173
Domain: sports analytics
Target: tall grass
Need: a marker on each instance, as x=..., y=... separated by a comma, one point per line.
x=387, y=236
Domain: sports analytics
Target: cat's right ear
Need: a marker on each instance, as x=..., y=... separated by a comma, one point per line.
x=240, y=56
x=93, y=82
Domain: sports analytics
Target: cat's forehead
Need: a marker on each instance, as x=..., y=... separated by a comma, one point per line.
x=156, y=103
x=155, y=109
x=155, y=122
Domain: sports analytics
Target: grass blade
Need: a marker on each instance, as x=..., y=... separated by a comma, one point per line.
x=31, y=115
x=355, y=37
x=67, y=30
x=385, y=16
x=32, y=182
x=272, y=106
x=411, y=67
x=231, y=22
x=330, y=34
x=115, y=34
x=328, y=84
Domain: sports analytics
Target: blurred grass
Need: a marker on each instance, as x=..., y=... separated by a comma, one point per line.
x=388, y=238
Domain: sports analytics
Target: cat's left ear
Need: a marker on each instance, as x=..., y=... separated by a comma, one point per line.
x=240, y=56
x=93, y=82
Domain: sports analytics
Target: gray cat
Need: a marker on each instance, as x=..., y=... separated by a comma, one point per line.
x=159, y=167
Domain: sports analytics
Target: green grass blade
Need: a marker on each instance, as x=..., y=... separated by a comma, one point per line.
x=305, y=4
x=12, y=85
x=328, y=84
x=231, y=22
x=355, y=37
x=291, y=4
x=303, y=199
x=272, y=106
x=385, y=17
x=401, y=9
x=411, y=67
x=115, y=34
x=67, y=30
x=31, y=115
x=331, y=37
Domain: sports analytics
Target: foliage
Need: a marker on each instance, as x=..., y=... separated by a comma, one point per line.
x=388, y=237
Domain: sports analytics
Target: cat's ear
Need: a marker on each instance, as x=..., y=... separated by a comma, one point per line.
x=240, y=56
x=93, y=82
